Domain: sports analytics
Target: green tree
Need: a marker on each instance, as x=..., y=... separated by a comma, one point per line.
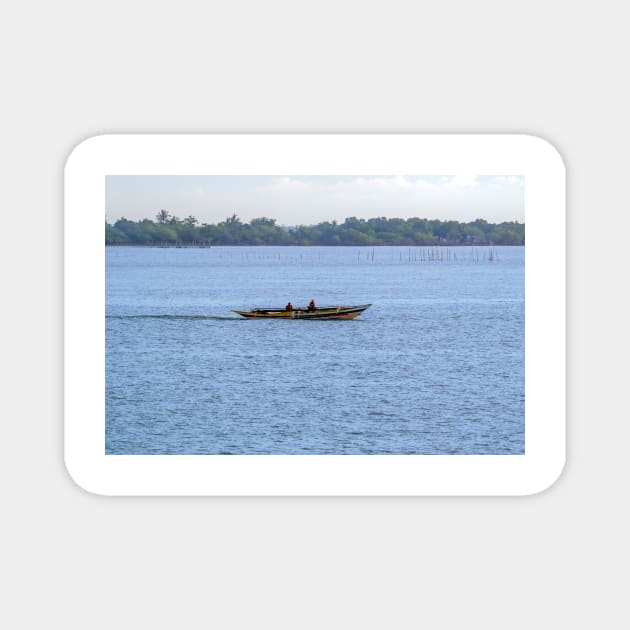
x=168, y=229
x=114, y=235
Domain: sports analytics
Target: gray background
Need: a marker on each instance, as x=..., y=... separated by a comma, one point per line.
x=73, y=69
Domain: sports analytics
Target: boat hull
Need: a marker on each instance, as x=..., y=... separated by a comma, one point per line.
x=332, y=312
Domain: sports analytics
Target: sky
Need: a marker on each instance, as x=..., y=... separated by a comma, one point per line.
x=306, y=200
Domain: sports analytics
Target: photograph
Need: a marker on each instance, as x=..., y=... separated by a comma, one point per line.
x=315, y=314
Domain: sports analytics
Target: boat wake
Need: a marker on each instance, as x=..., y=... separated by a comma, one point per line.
x=185, y=317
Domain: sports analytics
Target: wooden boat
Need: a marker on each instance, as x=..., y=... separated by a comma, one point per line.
x=321, y=312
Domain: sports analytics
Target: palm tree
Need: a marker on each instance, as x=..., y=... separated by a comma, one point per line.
x=163, y=216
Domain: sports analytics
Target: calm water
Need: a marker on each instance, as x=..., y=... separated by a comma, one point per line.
x=436, y=366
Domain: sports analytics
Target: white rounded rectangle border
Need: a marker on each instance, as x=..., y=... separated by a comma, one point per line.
x=326, y=475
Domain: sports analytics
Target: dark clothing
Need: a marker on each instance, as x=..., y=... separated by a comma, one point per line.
x=288, y=307
x=311, y=305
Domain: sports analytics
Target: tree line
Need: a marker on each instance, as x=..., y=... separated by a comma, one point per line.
x=168, y=229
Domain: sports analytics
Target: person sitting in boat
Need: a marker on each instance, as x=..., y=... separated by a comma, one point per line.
x=311, y=305
x=288, y=307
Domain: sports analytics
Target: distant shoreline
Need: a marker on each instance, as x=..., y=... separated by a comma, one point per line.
x=191, y=246
x=170, y=231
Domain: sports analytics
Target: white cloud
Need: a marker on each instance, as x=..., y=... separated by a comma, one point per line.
x=397, y=182
x=302, y=199
x=511, y=179
x=463, y=181
x=460, y=197
x=288, y=184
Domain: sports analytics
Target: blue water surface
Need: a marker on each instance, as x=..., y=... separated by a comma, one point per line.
x=435, y=366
